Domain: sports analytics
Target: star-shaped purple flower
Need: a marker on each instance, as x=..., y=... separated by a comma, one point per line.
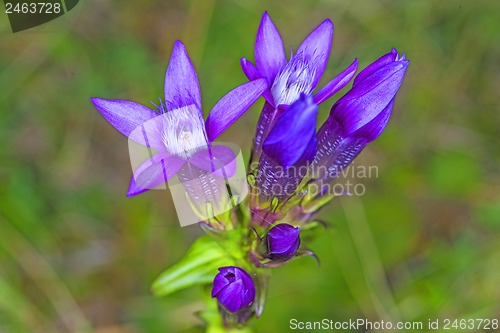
x=302, y=72
x=177, y=130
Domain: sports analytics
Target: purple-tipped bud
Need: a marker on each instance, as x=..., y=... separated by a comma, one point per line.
x=282, y=242
x=293, y=137
x=360, y=116
x=234, y=288
x=365, y=110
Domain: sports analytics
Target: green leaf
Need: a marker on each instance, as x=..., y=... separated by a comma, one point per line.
x=312, y=202
x=199, y=266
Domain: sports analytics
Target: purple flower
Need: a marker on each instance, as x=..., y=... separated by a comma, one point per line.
x=282, y=241
x=365, y=110
x=177, y=130
x=287, y=80
x=361, y=115
x=302, y=72
x=234, y=288
x=287, y=150
x=293, y=137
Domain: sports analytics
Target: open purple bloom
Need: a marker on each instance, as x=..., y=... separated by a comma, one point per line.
x=361, y=115
x=288, y=79
x=177, y=130
x=282, y=241
x=234, y=288
x=302, y=72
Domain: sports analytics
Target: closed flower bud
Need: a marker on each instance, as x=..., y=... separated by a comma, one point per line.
x=287, y=151
x=234, y=289
x=282, y=242
x=365, y=110
x=360, y=116
x=293, y=137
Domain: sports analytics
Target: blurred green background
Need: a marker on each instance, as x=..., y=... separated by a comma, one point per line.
x=422, y=243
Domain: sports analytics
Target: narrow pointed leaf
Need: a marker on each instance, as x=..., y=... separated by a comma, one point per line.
x=198, y=266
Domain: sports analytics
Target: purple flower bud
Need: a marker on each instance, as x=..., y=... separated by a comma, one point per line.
x=287, y=150
x=360, y=116
x=365, y=110
x=282, y=241
x=299, y=121
x=234, y=288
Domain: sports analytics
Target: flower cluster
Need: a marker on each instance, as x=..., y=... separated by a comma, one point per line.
x=289, y=156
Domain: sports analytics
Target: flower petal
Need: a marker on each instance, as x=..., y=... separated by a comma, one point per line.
x=269, y=51
x=181, y=82
x=292, y=132
x=376, y=65
x=252, y=73
x=369, y=97
x=374, y=128
x=232, y=296
x=220, y=282
x=283, y=240
x=219, y=160
x=249, y=69
x=316, y=48
x=227, y=270
x=337, y=83
x=310, y=151
x=248, y=284
x=128, y=118
x=152, y=131
x=153, y=172
x=230, y=107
